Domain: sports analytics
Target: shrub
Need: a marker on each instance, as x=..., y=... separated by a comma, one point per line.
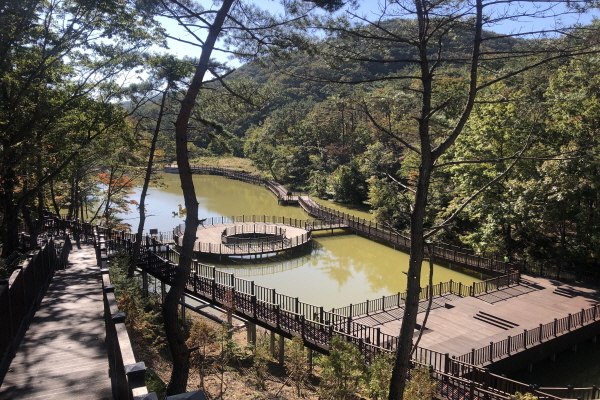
x=296, y=363
x=341, y=371
x=421, y=385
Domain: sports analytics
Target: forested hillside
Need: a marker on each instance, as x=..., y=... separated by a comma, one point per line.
x=324, y=123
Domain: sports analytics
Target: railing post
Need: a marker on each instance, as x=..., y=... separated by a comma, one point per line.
x=378, y=331
x=582, y=314
x=540, y=333
x=491, y=352
x=569, y=391
x=525, y=338
x=508, y=345
x=471, y=390
x=569, y=322
x=555, y=325
x=446, y=363
x=472, y=356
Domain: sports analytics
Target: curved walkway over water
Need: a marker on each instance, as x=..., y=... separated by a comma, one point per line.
x=63, y=354
x=209, y=239
x=443, y=252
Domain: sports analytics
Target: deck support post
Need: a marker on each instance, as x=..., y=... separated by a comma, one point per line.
x=251, y=333
x=272, y=344
x=281, y=350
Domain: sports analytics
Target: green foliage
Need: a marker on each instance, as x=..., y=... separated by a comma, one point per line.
x=341, y=371
x=296, y=363
x=201, y=337
x=348, y=184
x=421, y=385
x=378, y=375
x=260, y=362
x=523, y=396
x=142, y=313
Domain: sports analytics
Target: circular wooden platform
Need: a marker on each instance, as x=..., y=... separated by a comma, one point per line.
x=209, y=238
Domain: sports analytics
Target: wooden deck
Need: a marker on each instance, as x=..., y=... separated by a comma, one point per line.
x=63, y=354
x=474, y=322
x=209, y=239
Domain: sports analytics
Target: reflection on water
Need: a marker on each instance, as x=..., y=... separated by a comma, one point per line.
x=340, y=269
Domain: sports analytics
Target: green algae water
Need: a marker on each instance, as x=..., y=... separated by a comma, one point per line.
x=339, y=269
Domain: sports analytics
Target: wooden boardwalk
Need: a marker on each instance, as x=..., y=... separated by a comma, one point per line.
x=63, y=354
x=458, y=324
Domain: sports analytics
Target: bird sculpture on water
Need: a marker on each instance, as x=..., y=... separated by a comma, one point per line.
x=182, y=212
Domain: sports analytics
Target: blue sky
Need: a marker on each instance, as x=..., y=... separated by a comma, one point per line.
x=370, y=9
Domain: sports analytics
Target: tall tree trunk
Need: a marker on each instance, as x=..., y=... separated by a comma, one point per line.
x=175, y=337
x=53, y=198
x=142, y=205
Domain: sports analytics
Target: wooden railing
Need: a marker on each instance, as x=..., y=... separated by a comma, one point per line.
x=457, y=379
x=127, y=375
x=441, y=251
x=560, y=272
x=22, y=292
x=528, y=338
x=442, y=288
x=250, y=247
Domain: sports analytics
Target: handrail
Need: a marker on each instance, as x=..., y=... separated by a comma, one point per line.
x=441, y=251
x=315, y=325
x=127, y=375
x=439, y=289
x=513, y=344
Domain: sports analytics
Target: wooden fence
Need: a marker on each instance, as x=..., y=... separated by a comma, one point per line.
x=440, y=289
x=456, y=378
x=21, y=294
x=529, y=338
x=127, y=375
x=441, y=251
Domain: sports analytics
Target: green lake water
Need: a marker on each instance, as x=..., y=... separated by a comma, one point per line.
x=340, y=269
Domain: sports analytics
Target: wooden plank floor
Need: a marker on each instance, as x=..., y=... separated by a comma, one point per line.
x=456, y=331
x=63, y=354
x=209, y=238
